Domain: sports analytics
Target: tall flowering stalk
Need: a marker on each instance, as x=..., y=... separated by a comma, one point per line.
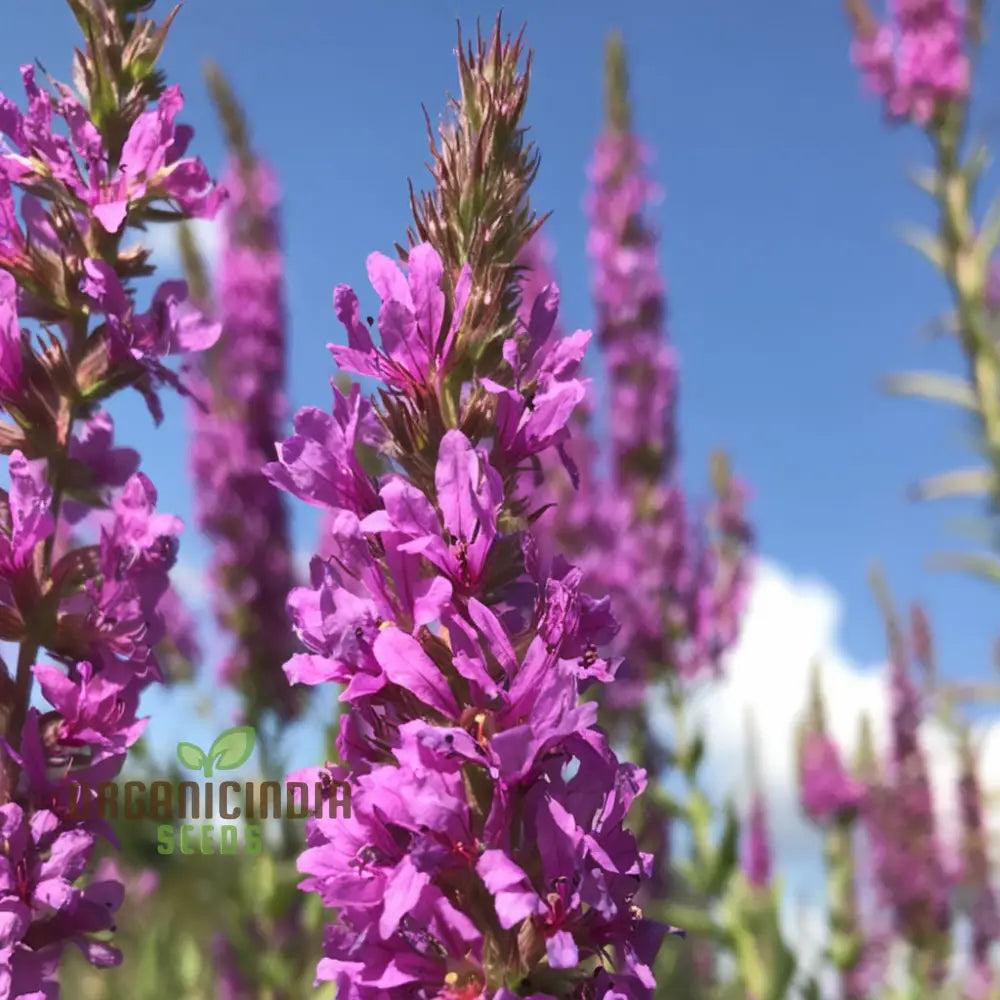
x=976, y=874
x=678, y=582
x=684, y=594
x=832, y=798
x=911, y=872
x=861, y=928
x=904, y=887
x=974, y=889
x=485, y=854
x=89, y=164
x=240, y=383
x=268, y=943
x=921, y=61
x=756, y=859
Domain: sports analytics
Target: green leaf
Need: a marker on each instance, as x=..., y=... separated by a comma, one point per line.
x=984, y=566
x=232, y=748
x=974, y=528
x=725, y=855
x=750, y=960
x=989, y=232
x=925, y=178
x=691, y=756
x=189, y=962
x=699, y=811
x=943, y=325
x=190, y=756
x=927, y=243
x=979, y=159
x=958, y=483
x=145, y=61
x=934, y=386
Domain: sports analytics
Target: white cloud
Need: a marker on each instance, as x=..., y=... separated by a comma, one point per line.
x=792, y=623
x=162, y=240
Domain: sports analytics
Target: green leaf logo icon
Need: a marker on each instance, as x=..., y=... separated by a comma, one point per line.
x=190, y=756
x=231, y=749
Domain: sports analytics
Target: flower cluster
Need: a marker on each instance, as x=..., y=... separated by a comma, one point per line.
x=756, y=861
x=975, y=875
x=678, y=586
x=917, y=884
x=240, y=384
x=103, y=622
x=917, y=62
x=485, y=855
x=678, y=583
x=700, y=616
x=89, y=165
x=485, y=848
x=827, y=789
x=910, y=868
x=828, y=793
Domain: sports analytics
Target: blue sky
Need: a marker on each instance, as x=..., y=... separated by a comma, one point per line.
x=790, y=293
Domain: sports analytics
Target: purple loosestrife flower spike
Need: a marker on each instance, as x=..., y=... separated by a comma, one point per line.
x=757, y=847
x=907, y=854
x=983, y=908
x=84, y=554
x=756, y=856
x=827, y=791
x=917, y=62
x=678, y=586
x=920, y=61
x=629, y=293
x=230, y=983
x=679, y=595
x=861, y=933
x=240, y=414
x=485, y=854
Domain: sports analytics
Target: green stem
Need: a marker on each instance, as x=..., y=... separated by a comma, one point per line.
x=45, y=617
x=845, y=947
x=42, y=620
x=965, y=269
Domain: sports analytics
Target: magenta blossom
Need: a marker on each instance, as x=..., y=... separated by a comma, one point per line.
x=411, y=321
x=917, y=61
x=469, y=493
x=826, y=788
x=152, y=166
x=94, y=710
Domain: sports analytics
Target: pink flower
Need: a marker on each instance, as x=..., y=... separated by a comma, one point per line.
x=917, y=62
x=826, y=789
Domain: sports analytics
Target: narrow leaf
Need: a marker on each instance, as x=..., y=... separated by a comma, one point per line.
x=958, y=483
x=940, y=326
x=989, y=231
x=979, y=159
x=985, y=566
x=925, y=178
x=725, y=855
x=934, y=386
x=926, y=242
